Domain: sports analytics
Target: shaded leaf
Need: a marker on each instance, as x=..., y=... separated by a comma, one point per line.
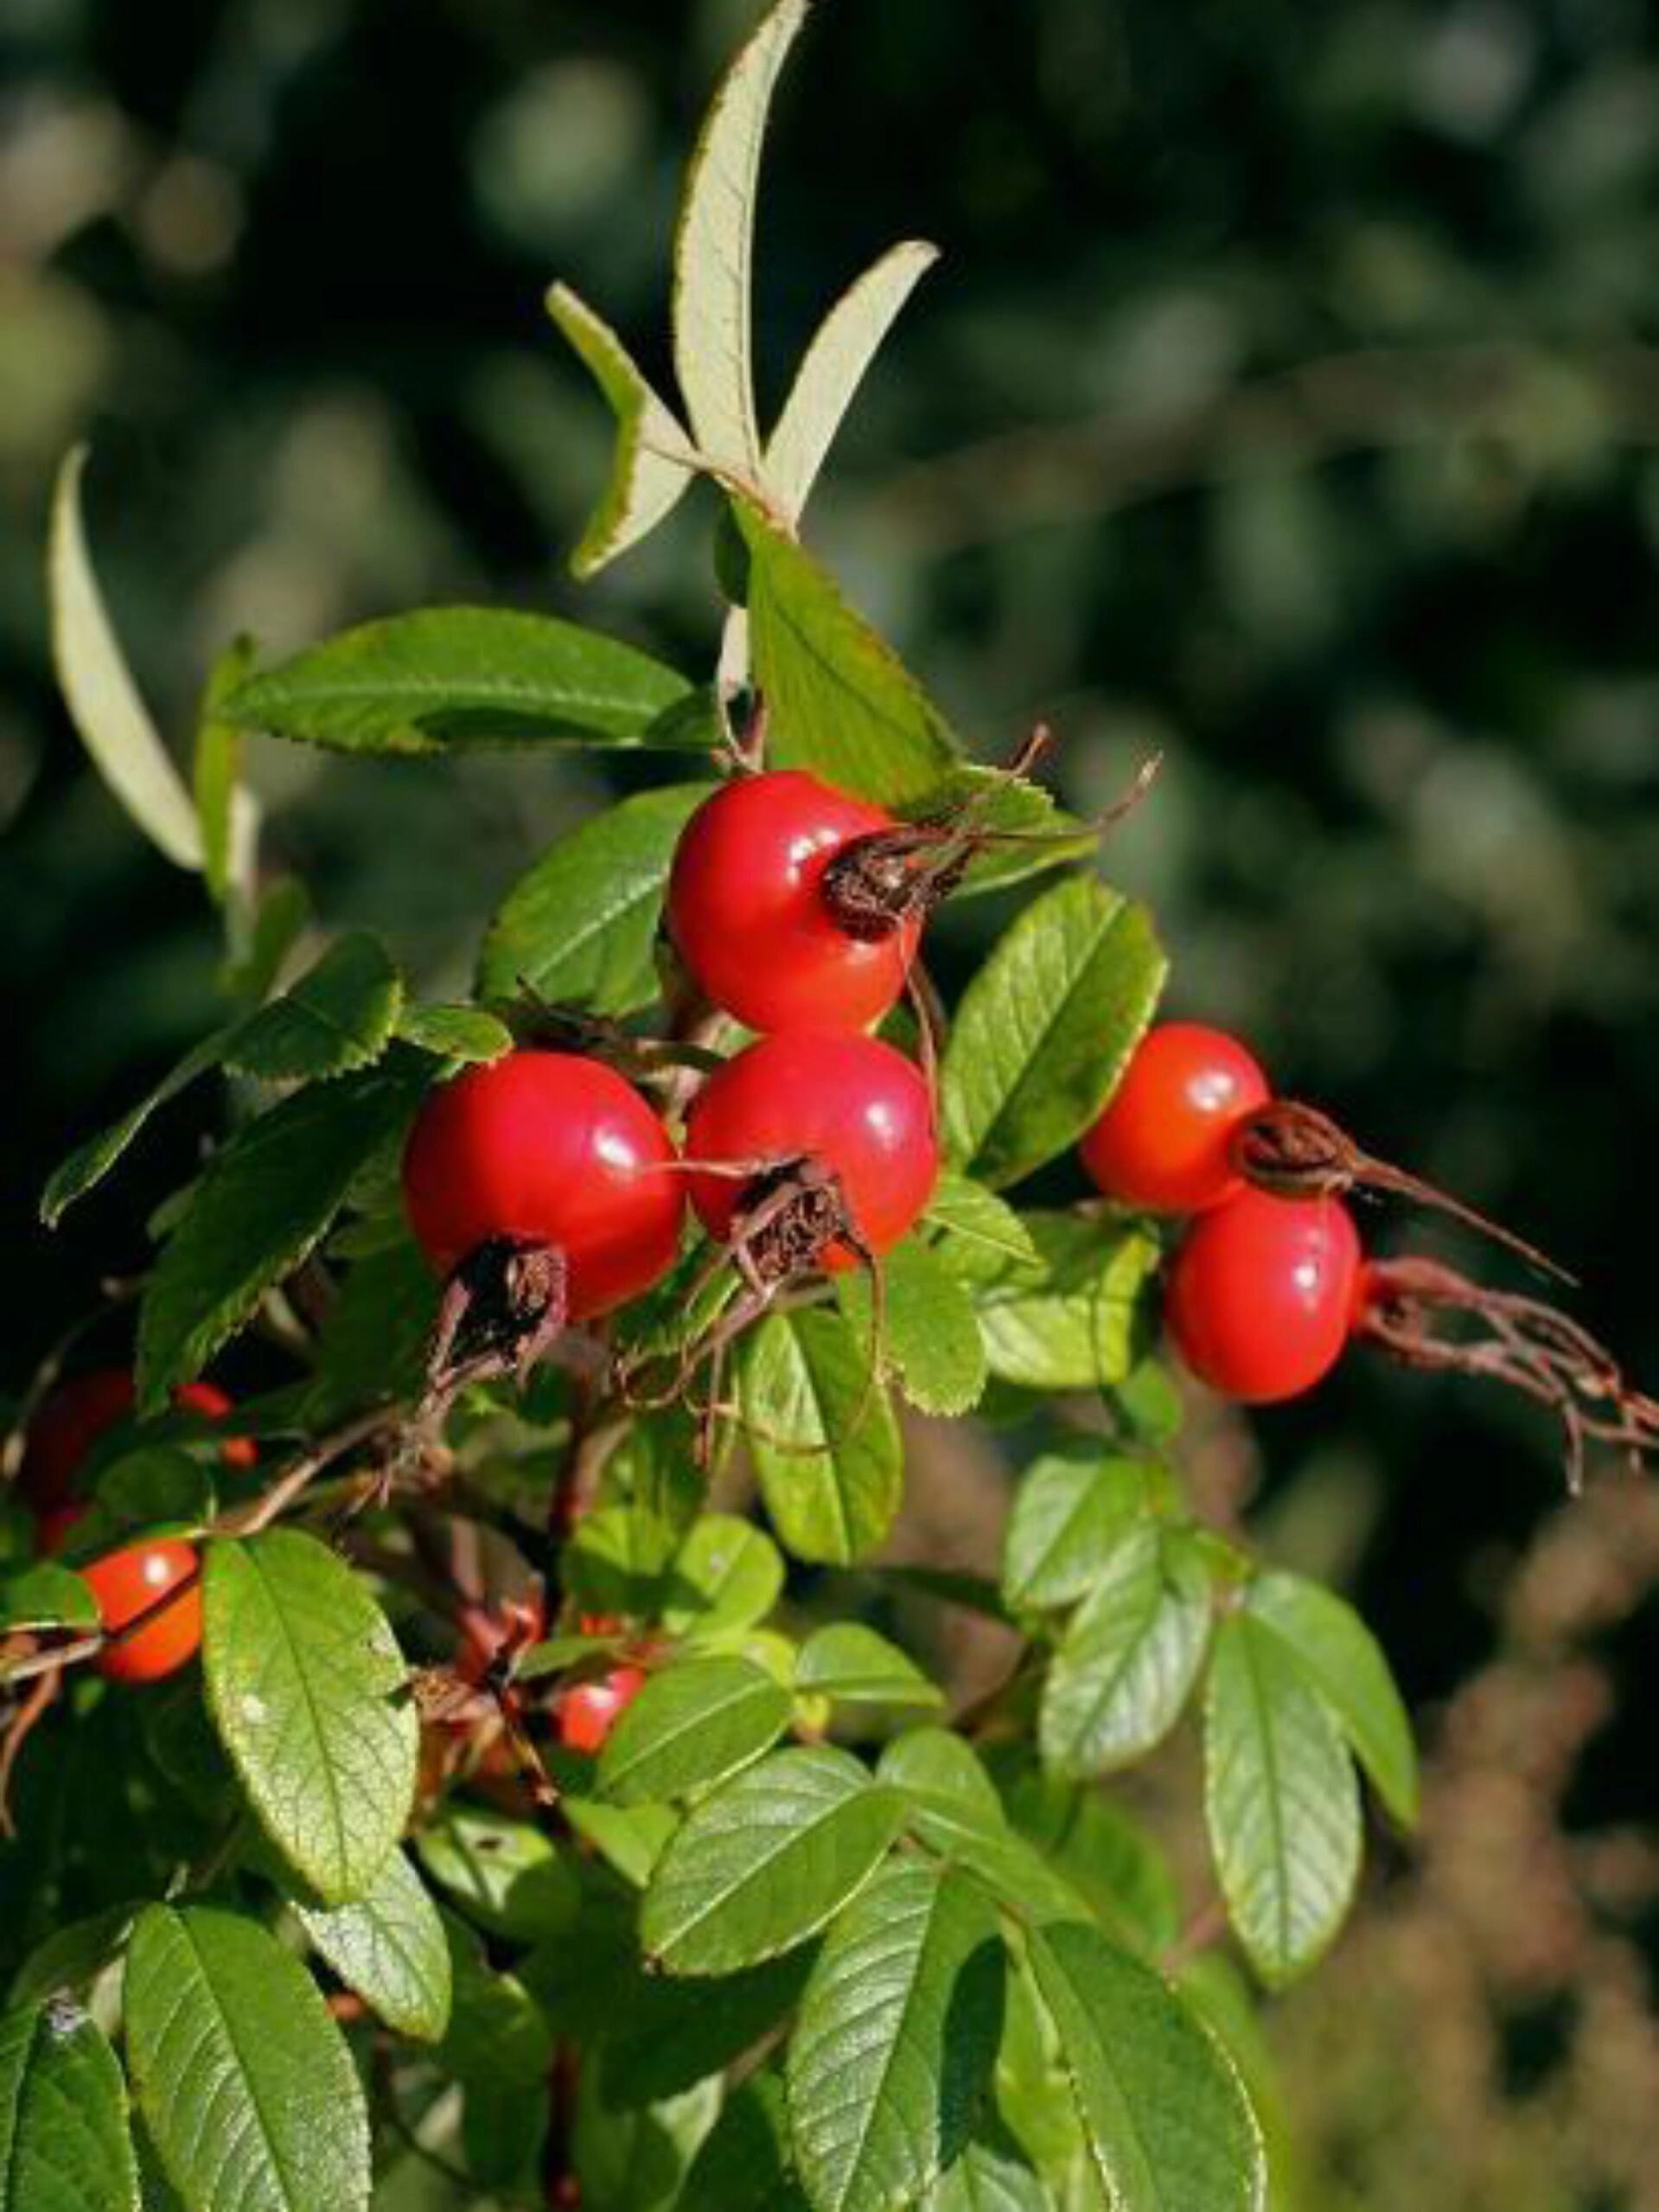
x=64, y=2143
x=1070, y=1324
x=990, y=2178
x=1281, y=1799
x=505, y=1873
x=389, y=1945
x=691, y=1726
x=744, y=2163
x=306, y=1682
x=766, y=1861
x=579, y=926
x=98, y=688
x=930, y=1338
x=672, y=2034
x=45, y=1595
x=88, y=1164
x=824, y=1439
x=246, y=2082
x=727, y=1574
x=227, y=816
x=1045, y=1028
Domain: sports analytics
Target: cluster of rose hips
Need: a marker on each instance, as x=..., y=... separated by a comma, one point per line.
x=131, y=1583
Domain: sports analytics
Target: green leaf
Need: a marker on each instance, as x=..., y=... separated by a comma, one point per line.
x=727, y=1574
x=896, y=2038
x=64, y=2144
x=766, y=1861
x=163, y=1488
x=1032, y=833
x=98, y=688
x=246, y=2082
x=45, y=1595
x=691, y=1726
x=980, y=1237
x=714, y=250
x=578, y=927
x=498, y=2033
x=456, y=1033
x=990, y=2178
x=1339, y=1657
x=930, y=1337
x=842, y=703
x=953, y=1809
x=389, y=1945
x=1070, y=1510
x=1119, y=1682
x=1045, y=1029
x=306, y=1683
x=340, y=1016
x=266, y=1200
x=506, y=1874
x=616, y=1560
x=632, y=1838
x=74, y=1955
x=633, y=2157
x=852, y=1665
x=822, y=1435
x=88, y=1164
x=1167, y=2123
x=743, y=2166
x=653, y=461
x=227, y=816
x=671, y=2035
x=1070, y=1324
x=1281, y=1799
x=833, y=369
x=1107, y=1857
x=464, y=676
x=282, y=911
x=372, y=1345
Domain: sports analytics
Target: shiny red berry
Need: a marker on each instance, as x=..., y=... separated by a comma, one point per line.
x=214, y=1405
x=550, y=1148
x=848, y=1104
x=126, y=1584
x=588, y=1713
x=1162, y=1142
x=1261, y=1296
x=746, y=907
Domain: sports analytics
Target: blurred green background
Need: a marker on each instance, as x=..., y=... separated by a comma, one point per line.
x=1287, y=399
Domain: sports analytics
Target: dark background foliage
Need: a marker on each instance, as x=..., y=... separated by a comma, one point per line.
x=1286, y=400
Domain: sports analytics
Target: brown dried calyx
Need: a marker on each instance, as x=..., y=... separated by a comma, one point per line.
x=1297, y=1152
x=503, y=1308
x=1431, y=1317
x=877, y=884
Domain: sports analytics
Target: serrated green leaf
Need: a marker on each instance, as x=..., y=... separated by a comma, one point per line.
x=246, y=2082
x=990, y=2178
x=652, y=460
x=339, y=1015
x=1281, y=1799
x=456, y=1033
x=580, y=925
x=691, y=1726
x=1045, y=1029
x=1118, y=1681
x=64, y=2143
x=1026, y=832
x=714, y=250
x=389, y=1945
x=977, y=1235
x=671, y=2035
x=850, y=1662
x=307, y=1689
x=1166, y=2118
x=498, y=2033
x=842, y=703
x=1341, y=1659
x=45, y=1595
x=506, y=1874
x=766, y=1861
x=98, y=688
x=1071, y=1323
x=896, y=2038
x=743, y=2166
x=727, y=1574
x=227, y=816
x=823, y=1437
x=832, y=367
x=88, y=1164
x=929, y=1338
x=616, y=1560
x=458, y=677
x=266, y=1200
x=1071, y=1509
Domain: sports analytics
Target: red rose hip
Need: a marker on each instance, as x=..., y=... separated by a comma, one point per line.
x=1261, y=1296
x=127, y=1583
x=1164, y=1141
x=588, y=1713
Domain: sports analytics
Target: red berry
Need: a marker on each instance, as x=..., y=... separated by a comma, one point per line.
x=553, y=1149
x=66, y=1426
x=851, y=1103
x=1162, y=1142
x=588, y=1713
x=1261, y=1296
x=214, y=1405
x=747, y=911
x=126, y=1584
